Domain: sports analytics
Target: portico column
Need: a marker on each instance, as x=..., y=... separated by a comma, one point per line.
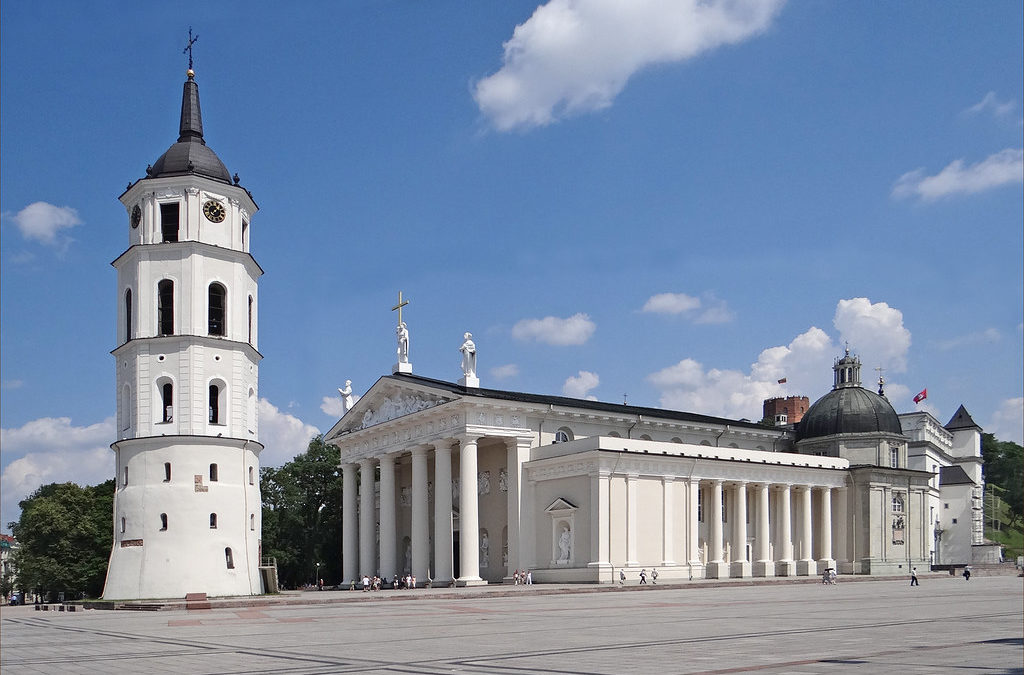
x=785, y=566
x=367, y=520
x=763, y=566
x=693, y=528
x=388, y=524
x=740, y=566
x=420, y=515
x=631, y=519
x=349, y=523
x=841, y=548
x=717, y=568
x=826, y=561
x=806, y=565
x=517, y=453
x=443, y=511
x=668, y=487
x=469, y=514
x=600, y=526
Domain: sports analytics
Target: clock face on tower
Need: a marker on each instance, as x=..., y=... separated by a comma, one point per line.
x=214, y=211
x=136, y=216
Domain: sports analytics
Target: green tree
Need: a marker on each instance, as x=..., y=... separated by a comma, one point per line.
x=64, y=534
x=1004, y=467
x=302, y=515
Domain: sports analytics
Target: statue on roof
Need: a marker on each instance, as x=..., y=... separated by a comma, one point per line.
x=468, y=350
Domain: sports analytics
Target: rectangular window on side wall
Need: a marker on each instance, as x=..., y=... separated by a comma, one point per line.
x=170, y=221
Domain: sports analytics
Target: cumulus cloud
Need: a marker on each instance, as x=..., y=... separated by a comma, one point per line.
x=332, y=406
x=1007, y=423
x=575, y=57
x=579, y=385
x=708, y=311
x=991, y=103
x=283, y=436
x=575, y=330
x=875, y=331
x=52, y=450
x=44, y=223
x=505, y=372
x=1003, y=168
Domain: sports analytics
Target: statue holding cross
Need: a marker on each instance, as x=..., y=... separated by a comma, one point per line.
x=402, y=333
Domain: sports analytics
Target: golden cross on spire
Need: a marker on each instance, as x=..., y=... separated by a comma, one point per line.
x=399, y=306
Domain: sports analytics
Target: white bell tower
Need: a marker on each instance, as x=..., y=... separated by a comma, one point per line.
x=187, y=503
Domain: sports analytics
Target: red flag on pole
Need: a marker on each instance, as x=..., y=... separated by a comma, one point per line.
x=922, y=396
x=782, y=381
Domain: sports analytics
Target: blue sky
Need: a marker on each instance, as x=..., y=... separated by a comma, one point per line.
x=678, y=203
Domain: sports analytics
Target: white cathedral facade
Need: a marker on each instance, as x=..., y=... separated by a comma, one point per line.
x=465, y=485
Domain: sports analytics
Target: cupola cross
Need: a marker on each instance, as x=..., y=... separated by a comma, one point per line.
x=399, y=306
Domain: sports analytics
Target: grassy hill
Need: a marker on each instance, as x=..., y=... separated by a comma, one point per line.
x=997, y=528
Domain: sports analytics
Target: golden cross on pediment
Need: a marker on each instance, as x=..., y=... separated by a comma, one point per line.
x=399, y=306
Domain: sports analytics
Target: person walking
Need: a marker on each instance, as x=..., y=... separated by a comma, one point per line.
x=913, y=578
x=643, y=577
x=622, y=577
x=654, y=576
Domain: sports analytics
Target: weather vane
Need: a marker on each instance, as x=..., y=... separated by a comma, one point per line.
x=188, y=47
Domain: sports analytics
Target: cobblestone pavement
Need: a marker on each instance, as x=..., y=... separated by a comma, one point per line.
x=945, y=625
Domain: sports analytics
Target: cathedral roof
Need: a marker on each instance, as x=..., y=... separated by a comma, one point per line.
x=961, y=420
x=190, y=154
x=954, y=475
x=849, y=410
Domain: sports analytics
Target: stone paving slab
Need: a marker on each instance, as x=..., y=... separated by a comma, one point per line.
x=946, y=625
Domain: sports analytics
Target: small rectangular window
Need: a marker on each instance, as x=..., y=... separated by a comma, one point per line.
x=167, y=472
x=125, y=480
x=213, y=521
x=163, y=522
x=169, y=221
x=213, y=473
x=954, y=521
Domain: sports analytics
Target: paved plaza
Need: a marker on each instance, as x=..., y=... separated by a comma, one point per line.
x=945, y=625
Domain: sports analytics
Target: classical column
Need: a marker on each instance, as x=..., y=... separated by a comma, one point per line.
x=388, y=522
x=784, y=565
x=631, y=519
x=717, y=568
x=740, y=566
x=668, y=486
x=517, y=453
x=349, y=523
x=600, y=526
x=841, y=540
x=806, y=565
x=826, y=561
x=693, y=528
x=763, y=565
x=367, y=520
x=469, y=514
x=443, y=512
x=420, y=515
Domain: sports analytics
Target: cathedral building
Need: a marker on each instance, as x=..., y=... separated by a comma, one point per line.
x=465, y=485
x=187, y=513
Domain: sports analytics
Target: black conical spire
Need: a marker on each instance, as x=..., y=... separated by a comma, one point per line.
x=191, y=127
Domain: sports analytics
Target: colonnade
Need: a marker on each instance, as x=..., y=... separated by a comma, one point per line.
x=360, y=536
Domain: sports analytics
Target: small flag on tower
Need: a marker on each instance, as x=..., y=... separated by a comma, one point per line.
x=782, y=381
x=922, y=396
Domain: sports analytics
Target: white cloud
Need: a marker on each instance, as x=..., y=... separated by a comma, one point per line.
x=283, y=436
x=43, y=222
x=505, y=372
x=52, y=450
x=989, y=103
x=671, y=303
x=575, y=57
x=1007, y=422
x=12, y=384
x=332, y=406
x=715, y=312
x=875, y=330
x=1003, y=168
x=987, y=336
x=579, y=385
x=575, y=330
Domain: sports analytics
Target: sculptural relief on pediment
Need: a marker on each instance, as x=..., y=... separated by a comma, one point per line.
x=394, y=406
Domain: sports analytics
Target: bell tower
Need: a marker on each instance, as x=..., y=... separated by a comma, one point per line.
x=187, y=504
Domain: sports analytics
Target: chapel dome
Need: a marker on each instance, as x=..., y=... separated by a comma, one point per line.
x=190, y=154
x=849, y=410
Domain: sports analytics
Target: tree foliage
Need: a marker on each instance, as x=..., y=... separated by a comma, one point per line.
x=64, y=534
x=302, y=515
x=1004, y=467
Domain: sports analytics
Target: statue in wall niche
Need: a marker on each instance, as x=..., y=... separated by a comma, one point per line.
x=564, y=545
x=503, y=480
x=455, y=491
x=346, y=396
x=468, y=350
x=483, y=483
x=485, y=548
x=402, y=331
x=408, y=558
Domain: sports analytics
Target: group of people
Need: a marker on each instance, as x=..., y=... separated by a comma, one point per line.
x=525, y=577
x=643, y=576
x=375, y=583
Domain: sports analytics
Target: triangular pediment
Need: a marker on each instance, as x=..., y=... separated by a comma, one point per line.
x=560, y=505
x=388, y=400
